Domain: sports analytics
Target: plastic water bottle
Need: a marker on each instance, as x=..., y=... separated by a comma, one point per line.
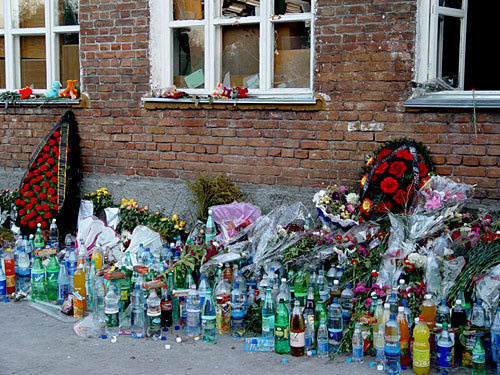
x=137, y=318
x=27, y=248
x=237, y=312
x=54, y=235
x=357, y=344
x=208, y=317
x=309, y=320
x=210, y=231
x=147, y=257
x=165, y=253
x=62, y=284
x=138, y=255
x=268, y=312
x=495, y=336
x=72, y=261
x=478, y=357
x=284, y=294
x=99, y=295
x=112, y=313
x=322, y=286
x=38, y=281
x=445, y=353
x=52, y=275
x=203, y=289
x=24, y=271
x=392, y=350
x=393, y=302
x=334, y=326
x=322, y=339
x=379, y=343
x=346, y=302
x=154, y=315
x=442, y=314
x=478, y=315
x=193, y=323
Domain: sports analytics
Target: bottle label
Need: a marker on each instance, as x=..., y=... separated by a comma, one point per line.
x=421, y=358
x=154, y=323
x=223, y=314
x=334, y=336
x=322, y=347
x=478, y=358
x=52, y=277
x=281, y=333
x=3, y=287
x=238, y=325
x=193, y=319
x=208, y=322
x=297, y=339
x=112, y=320
x=495, y=343
x=445, y=356
x=166, y=305
x=357, y=352
x=124, y=294
x=392, y=358
x=10, y=281
x=71, y=268
x=62, y=291
x=268, y=324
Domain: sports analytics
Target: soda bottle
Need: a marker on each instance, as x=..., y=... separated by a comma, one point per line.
x=268, y=312
x=208, y=318
x=125, y=286
x=24, y=271
x=52, y=275
x=39, y=240
x=478, y=315
x=458, y=315
x=429, y=314
x=297, y=331
x=300, y=288
x=309, y=320
x=54, y=235
x=112, y=313
x=138, y=322
x=154, y=315
x=346, y=299
x=334, y=326
x=10, y=272
x=478, y=357
x=421, y=347
x=79, y=284
x=445, y=351
x=442, y=314
x=285, y=294
x=166, y=308
x=379, y=343
x=62, y=284
x=495, y=336
x=223, y=307
x=237, y=312
x=404, y=340
x=357, y=344
x=282, y=329
x=38, y=281
x=319, y=312
x=210, y=231
x=97, y=258
x=392, y=350
x=322, y=339
x=3, y=283
x=373, y=304
x=193, y=323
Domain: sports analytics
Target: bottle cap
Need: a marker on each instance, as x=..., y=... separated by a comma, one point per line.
x=386, y=305
x=380, y=368
x=210, y=211
x=479, y=303
x=401, y=309
x=335, y=282
x=163, y=338
x=401, y=281
x=348, y=286
x=53, y=220
x=421, y=318
x=445, y=325
x=427, y=296
x=283, y=279
x=459, y=302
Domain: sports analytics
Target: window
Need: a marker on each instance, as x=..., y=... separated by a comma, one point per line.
x=456, y=42
x=39, y=43
x=265, y=45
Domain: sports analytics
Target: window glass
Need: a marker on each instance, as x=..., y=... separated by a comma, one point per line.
x=242, y=8
x=28, y=13
x=33, y=68
x=189, y=57
x=292, y=57
x=69, y=61
x=292, y=6
x=188, y=9
x=1, y=14
x=240, y=56
x=67, y=12
x=457, y=4
x=2, y=62
x=449, y=49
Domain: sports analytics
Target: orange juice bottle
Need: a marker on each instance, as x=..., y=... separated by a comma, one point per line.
x=79, y=284
x=421, y=348
x=97, y=258
x=429, y=313
x=404, y=338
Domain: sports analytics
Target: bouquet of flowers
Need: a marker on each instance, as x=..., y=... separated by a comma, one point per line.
x=337, y=205
x=101, y=198
x=7, y=198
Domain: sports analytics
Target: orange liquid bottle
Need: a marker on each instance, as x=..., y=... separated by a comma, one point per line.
x=421, y=348
x=10, y=273
x=404, y=339
x=429, y=313
x=79, y=284
x=97, y=258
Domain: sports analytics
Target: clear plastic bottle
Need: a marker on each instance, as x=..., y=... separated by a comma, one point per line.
x=421, y=347
x=112, y=313
x=334, y=326
x=39, y=239
x=445, y=351
x=478, y=315
x=495, y=336
x=478, y=357
x=203, y=288
x=147, y=257
x=154, y=315
x=99, y=295
x=442, y=314
x=268, y=312
x=392, y=349
x=54, y=235
x=24, y=271
x=322, y=339
x=62, y=284
x=346, y=299
x=193, y=322
x=322, y=286
x=208, y=318
x=284, y=294
x=138, y=319
x=297, y=331
x=393, y=302
x=357, y=344
x=309, y=322
x=223, y=306
x=3, y=283
x=404, y=338
x=379, y=343
x=330, y=276
x=138, y=255
x=210, y=230
x=237, y=312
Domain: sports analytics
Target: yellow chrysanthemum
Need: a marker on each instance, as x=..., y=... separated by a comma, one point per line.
x=175, y=217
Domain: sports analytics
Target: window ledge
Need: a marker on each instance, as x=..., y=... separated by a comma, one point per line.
x=455, y=99
x=296, y=103
x=81, y=102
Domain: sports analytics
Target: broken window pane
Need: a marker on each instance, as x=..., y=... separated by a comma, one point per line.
x=189, y=57
x=188, y=9
x=69, y=62
x=292, y=57
x=67, y=12
x=241, y=8
x=28, y=13
x=240, y=56
x=449, y=49
x=456, y=4
x=33, y=69
x=292, y=6
x=2, y=62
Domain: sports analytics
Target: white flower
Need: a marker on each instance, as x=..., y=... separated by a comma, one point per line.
x=352, y=198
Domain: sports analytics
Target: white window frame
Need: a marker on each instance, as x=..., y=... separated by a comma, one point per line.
x=51, y=31
x=162, y=24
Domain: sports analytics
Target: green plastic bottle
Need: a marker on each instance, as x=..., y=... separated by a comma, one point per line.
x=125, y=287
x=282, y=330
x=175, y=300
x=39, y=241
x=52, y=274
x=319, y=313
x=38, y=281
x=300, y=288
x=478, y=357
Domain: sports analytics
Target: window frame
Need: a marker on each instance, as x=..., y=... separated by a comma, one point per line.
x=162, y=46
x=51, y=32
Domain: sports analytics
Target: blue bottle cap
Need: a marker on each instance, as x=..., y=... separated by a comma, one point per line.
x=349, y=360
x=165, y=329
x=372, y=364
x=403, y=367
x=177, y=328
x=5, y=299
x=348, y=285
x=104, y=337
x=163, y=338
x=254, y=341
x=313, y=352
x=284, y=360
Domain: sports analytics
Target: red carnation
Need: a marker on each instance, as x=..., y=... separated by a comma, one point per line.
x=47, y=215
x=55, y=207
x=43, y=224
x=44, y=168
x=22, y=211
x=54, y=180
x=54, y=169
x=389, y=185
x=29, y=194
x=404, y=154
x=17, y=202
x=32, y=225
x=46, y=148
x=42, y=196
x=401, y=197
x=39, y=178
x=52, y=142
x=45, y=185
x=45, y=207
x=422, y=169
x=46, y=156
x=24, y=222
x=52, y=199
x=49, y=174
x=51, y=191
x=397, y=168
x=381, y=168
x=36, y=172
x=38, y=219
x=38, y=207
x=383, y=153
x=51, y=161
x=33, y=201
x=22, y=203
x=36, y=188
x=56, y=134
x=55, y=149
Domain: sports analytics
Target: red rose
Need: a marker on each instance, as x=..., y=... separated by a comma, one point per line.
x=37, y=188
x=43, y=224
x=24, y=222
x=55, y=149
x=32, y=225
x=51, y=161
x=381, y=168
x=46, y=156
x=56, y=154
x=22, y=211
x=17, y=202
x=54, y=180
x=52, y=199
x=39, y=160
x=45, y=207
x=56, y=134
x=45, y=185
x=44, y=168
x=389, y=185
x=401, y=197
x=42, y=196
x=51, y=191
x=54, y=169
x=22, y=203
x=46, y=148
x=55, y=207
x=49, y=174
x=397, y=168
x=383, y=153
x=47, y=215
x=38, y=219
x=39, y=178
x=36, y=172
x=29, y=194
x=34, y=201
x=422, y=169
x=38, y=207
x=52, y=142
x=404, y=154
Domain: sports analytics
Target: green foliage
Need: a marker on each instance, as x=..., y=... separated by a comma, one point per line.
x=212, y=191
x=101, y=199
x=7, y=198
x=6, y=236
x=253, y=319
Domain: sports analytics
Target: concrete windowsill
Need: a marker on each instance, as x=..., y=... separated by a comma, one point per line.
x=455, y=100
x=81, y=102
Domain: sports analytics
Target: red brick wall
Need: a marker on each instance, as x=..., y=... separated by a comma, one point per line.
x=364, y=62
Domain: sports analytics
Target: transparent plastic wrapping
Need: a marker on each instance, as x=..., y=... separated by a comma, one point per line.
x=89, y=327
x=51, y=310
x=433, y=278
x=488, y=288
x=86, y=210
x=148, y=238
x=112, y=217
x=94, y=232
x=234, y=217
x=450, y=271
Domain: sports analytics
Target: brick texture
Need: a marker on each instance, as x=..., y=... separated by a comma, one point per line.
x=364, y=64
